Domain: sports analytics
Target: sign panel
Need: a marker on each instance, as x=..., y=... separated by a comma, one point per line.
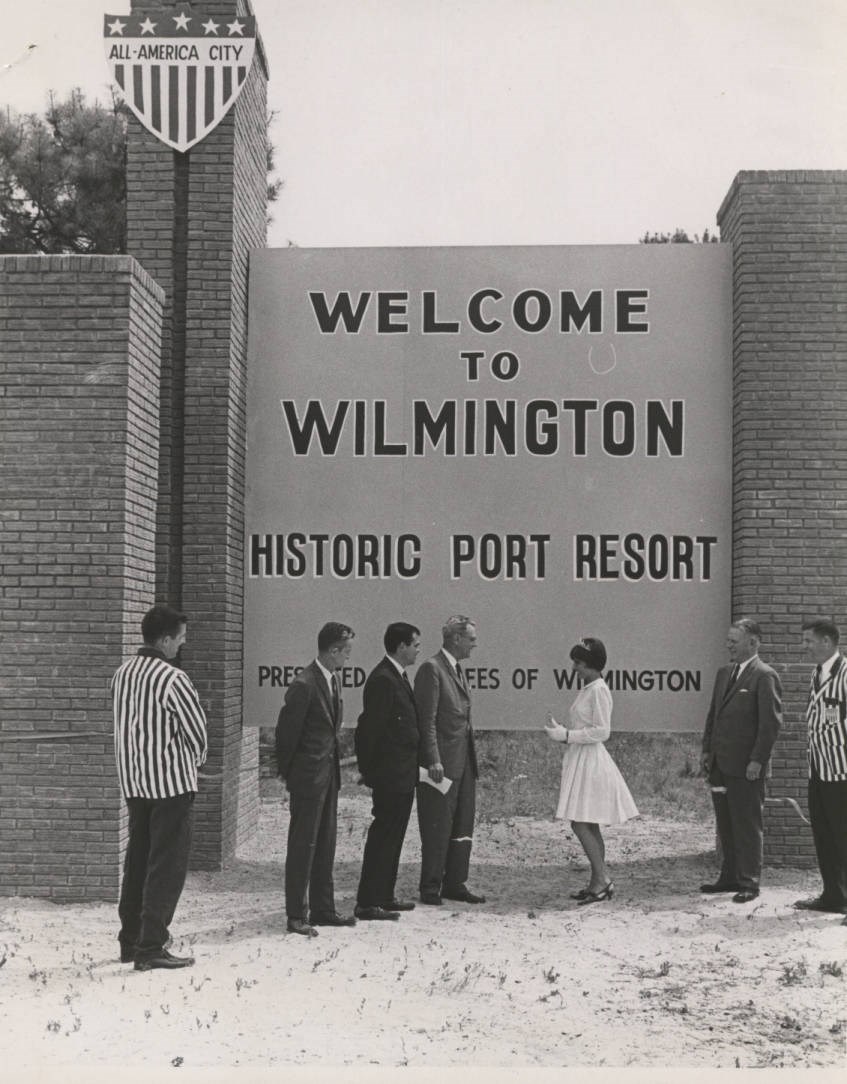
x=538, y=438
x=179, y=74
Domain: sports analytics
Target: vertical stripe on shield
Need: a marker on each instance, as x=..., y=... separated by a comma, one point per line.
x=138, y=87
x=173, y=94
x=156, y=97
x=227, y=85
x=242, y=75
x=119, y=75
x=191, y=104
x=209, y=97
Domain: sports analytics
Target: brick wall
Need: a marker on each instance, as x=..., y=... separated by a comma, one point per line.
x=79, y=352
x=192, y=220
x=789, y=236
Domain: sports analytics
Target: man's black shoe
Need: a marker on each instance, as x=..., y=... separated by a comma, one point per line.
x=297, y=925
x=375, y=914
x=431, y=898
x=333, y=920
x=463, y=895
x=164, y=960
x=398, y=905
x=721, y=886
x=745, y=895
x=818, y=903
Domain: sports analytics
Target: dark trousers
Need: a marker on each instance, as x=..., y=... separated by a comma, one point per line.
x=828, y=814
x=310, y=855
x=738, y=815
x=381, y=860
x=155, y=866
x=446, y=824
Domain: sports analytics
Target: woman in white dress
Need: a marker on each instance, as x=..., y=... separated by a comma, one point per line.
x=593, y=791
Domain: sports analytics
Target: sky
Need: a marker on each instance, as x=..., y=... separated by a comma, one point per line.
x=429, y=122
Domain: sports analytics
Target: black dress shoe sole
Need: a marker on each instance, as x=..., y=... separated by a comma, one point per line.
x=157, y=963
x=463, y=899
x=377, y=914
x=398, y=905
x=745, y=897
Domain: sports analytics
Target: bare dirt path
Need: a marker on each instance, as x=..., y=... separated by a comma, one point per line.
x=658, y=977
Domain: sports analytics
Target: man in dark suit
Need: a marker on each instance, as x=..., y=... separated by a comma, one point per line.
x=308, y=761
x=741, y=727
x=387, y=754
x=447, y=752
x=826, y=720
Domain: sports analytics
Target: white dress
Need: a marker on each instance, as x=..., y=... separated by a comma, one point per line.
x=592, y=789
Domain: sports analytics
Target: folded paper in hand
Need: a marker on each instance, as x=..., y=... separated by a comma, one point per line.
x=443, y=786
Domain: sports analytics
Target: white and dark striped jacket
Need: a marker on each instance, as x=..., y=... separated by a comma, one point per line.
x=826, y=717
x=160, y=728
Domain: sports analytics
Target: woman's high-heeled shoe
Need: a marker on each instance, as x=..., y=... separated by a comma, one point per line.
x=595, y=897
x=583, y=892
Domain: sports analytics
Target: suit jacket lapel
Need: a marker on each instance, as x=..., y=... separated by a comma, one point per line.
x=324, y=692
x=836, y=666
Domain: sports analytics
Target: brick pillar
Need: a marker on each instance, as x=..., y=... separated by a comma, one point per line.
x=788, y=230
x=192, y=220
x=80, y=338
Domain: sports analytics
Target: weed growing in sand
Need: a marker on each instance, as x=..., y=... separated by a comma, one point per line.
x=833, y=967
x=38, y=975
x=243, y=984
x=793, y=973
x=551, y=974
x=54, y=1026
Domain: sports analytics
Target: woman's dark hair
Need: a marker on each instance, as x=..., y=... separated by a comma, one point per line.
x=590, y=651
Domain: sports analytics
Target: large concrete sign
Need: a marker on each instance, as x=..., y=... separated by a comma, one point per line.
x=537, y=437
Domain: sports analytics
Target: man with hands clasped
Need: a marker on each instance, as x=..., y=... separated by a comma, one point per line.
x=742, y=724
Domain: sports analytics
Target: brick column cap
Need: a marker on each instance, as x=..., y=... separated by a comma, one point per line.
x=71, y=262
x=778, y=176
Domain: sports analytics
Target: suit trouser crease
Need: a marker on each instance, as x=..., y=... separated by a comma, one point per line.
x=310, y=855
x=828, y=816
x=381, y=859
x=738, y=816
x=155, y=868
x=446, y=824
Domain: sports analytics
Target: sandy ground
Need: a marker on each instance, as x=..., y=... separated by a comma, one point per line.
x=658, y=977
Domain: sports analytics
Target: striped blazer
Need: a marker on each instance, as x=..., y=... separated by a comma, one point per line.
x=160, y=728
x=826, y=718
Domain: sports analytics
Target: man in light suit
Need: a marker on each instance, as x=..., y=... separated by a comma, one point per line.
x=308, y=761
x=741, y=727
x=826, y=719
x=447, y=752
x=387, y=753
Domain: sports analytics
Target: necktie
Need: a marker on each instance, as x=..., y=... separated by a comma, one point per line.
x=334, y=689
x=818, y=672
x=733, y=677
x=460, y=676
x=407, y=682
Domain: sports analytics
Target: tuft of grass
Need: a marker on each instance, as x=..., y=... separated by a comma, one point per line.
x=832, y=967
x=793, y=974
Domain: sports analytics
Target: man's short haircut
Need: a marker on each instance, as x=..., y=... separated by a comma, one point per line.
x=455, y=626
x=748, y=625
x=822, y=627
x=160, y=621
x=397, y=633
x=333, y=633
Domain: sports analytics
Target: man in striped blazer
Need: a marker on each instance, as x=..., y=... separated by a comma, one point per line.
x=160, y=741
x=826, y=718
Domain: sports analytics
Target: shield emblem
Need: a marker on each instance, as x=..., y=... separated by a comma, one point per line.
x=179, y=74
